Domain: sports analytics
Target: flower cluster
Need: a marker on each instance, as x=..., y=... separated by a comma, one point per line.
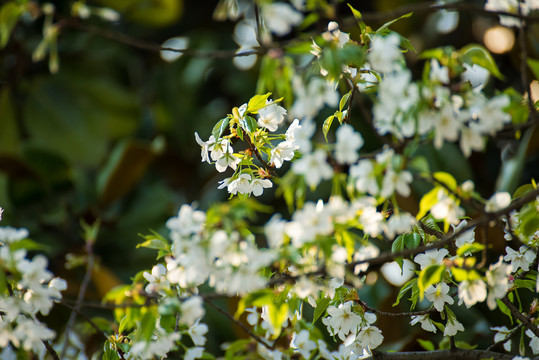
x=29, y=289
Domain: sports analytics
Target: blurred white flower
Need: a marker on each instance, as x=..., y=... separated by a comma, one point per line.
x=175, y=46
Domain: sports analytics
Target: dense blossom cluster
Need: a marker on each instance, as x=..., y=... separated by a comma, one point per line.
x=28, y=289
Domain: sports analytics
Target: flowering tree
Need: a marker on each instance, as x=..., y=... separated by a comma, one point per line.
x=343, y=132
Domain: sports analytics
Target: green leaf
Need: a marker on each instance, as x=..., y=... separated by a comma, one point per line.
x=220, y=127
x=327, y=125
x=109, y=353
x=526, y=284
x=9, y=16
x=427, y=202
x=122, y=325
x=446, y=179
x=154, y=243
x=459, y=274
x=248, y=124
x=409, y=285
x=389, y=23
x=411, y=241
x=504, y=309
x=523, y=190
x=470, y=248
x=426, y=344
x=534, y=66
x=147, y=326
x=430, y=275
x=398, y=244
x=344, y=100
x=321, y=306
x=477, y=54
x=257, y=102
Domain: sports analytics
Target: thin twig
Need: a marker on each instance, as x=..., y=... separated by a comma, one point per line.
x=89, y=240
x=51, y=350
x=507, y=338
x=394, y=314
x=517, y=314
x=240, y=324
x=155, y=47
x=86, y=318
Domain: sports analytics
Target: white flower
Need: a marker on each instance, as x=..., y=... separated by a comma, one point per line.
x=396, y=181
x=348, y=143
x=446, y=208
x=227, y=160
x=335, y=35
x=472, y=291
x=205, y=147
x=364, y=253
x=510, y=6
x=431, y=257
x=283, y=152
x=242, y=184
x=192, y=310
x=275, y=231
x=498, y=201
x=426, y=322
x=384, y=52
x=157, y=279
x=439, y=295
x=520, y=259
x=365, y=177
x=178, y=43
x=342, y=320
x=370, y=337
x=438, y=74
x=452, y=327
x=491, y=115
x=280, y=17
x=258, y=186
x=399, y=224
x=502, y=333
x=9, y=235
x=467, y=237
x=188, y=221
x=197, y=332
x=447, y=125
x=534, y=342
x=193, y=353
x=309, y=222
x=470, y=139
x=299, y=136
x=313, y=167
x=271, y=116
x=301, y=342
x=498, y=282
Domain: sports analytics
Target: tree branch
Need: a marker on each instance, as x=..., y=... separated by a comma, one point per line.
x=457, y=354
x=523, y=319
x=240, y=324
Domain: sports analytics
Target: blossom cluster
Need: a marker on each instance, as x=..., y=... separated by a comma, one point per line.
x=28, y=289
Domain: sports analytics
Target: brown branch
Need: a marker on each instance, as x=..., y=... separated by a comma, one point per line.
x=155, y=47
x=456, y=354
x=521, y=317
x=89, y=238
x=483, y=220
x=51, y=350
x=86, y=318
x=394, y=314
x=240, y=324
x=255, y=151
x=507, y=338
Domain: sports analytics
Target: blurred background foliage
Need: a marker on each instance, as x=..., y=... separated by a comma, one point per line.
x=110, y=136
